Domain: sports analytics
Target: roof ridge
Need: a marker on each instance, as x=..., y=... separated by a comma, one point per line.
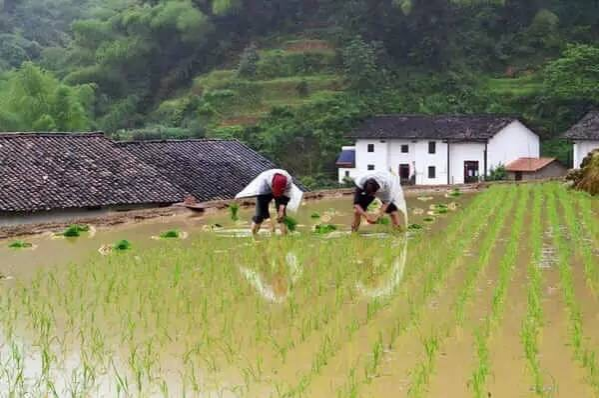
x=465, y=115
x=167, y=140
x=18, y=134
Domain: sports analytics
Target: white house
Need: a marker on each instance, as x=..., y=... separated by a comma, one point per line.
x=585, y=136
x=437, y=150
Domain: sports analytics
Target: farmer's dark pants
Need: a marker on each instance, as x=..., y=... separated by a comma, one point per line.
x=364, y=200
x=262, y=205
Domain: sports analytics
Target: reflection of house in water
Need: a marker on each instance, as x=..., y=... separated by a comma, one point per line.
x=52, y=175
x=437, y=150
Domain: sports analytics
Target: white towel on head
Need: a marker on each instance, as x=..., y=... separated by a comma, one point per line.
x=262, y=185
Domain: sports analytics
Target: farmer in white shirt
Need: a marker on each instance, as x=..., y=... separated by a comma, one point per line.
x=383, y=185
x=272, y=185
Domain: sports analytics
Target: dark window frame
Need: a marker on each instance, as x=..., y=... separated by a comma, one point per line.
x=406, y=147
x=432, y=147
x=370, y=148
x=432, y=172
x=371, y=167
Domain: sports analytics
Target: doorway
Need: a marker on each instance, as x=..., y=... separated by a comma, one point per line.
x=471, y=172
x=518, y=176
x=404, y=173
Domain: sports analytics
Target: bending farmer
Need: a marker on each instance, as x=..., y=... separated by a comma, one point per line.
x=272, y=185
x=384, y=185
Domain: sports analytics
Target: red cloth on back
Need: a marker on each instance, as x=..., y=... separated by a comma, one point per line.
x=279, y=183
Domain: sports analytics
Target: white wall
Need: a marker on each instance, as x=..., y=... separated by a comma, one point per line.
x=396, y=157
x=342, y=170
x=582, y=149
x=378, y=158
x=513, y=142
x=462, y=152
x=425, y=159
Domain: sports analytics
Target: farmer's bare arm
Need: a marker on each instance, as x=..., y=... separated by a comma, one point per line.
x=281, y=213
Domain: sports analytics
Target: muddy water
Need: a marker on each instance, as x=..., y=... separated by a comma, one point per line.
x=221, y=315
x=50, y=250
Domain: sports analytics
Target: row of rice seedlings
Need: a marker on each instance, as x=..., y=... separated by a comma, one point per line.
x=333, y=340
x=421, y=374
x=581, y=230
x=533, y=322
x=93, y=311
x=445, y=262
x=582, y=353
x=142, y=304
x=485, y=252
x=478, y=380
x=587, y=216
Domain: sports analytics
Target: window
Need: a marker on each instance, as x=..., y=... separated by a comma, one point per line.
x=432, y=172
x=432, y=147
x=370, y=147
x=370, y=167
x=405, y=149
x=346, y=173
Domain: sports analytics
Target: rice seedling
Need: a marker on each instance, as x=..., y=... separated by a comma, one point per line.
x=171, y=234
x=315, y=216
x=583, y=354
x=234, y=211
x=480, y=374
x=577, y=230
x=20, y=244
x=533, y=320
x=323, y=229
x=383, y=221
x=322, y=317
x=122, y=245
x=75, y=230
x=455, y=193
x=291, y=223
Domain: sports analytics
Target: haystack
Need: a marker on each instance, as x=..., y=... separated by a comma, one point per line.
x=589, y=176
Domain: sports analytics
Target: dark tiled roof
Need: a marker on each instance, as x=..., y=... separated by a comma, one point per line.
x=347, y=158
x=585, y=129
x=206, y=169
x=446, y=127
x=43, y=171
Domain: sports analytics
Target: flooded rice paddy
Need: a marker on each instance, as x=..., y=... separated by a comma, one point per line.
x=496, y=295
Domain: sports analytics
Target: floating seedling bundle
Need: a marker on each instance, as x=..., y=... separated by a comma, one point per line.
x=323, y=229
x=75, y=230
x=20, y=244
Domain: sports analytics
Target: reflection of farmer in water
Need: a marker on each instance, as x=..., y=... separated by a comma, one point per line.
x=384, y=185
x=274, y=276
x=272, y=185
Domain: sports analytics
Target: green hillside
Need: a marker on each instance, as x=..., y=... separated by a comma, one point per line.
x=297, y=72
x=289, y=77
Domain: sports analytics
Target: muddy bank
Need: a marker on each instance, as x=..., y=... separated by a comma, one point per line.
x=124, y=217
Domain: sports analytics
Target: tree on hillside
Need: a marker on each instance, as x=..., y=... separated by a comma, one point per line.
x=248, y=65
x=360, y=64
x=575, y=76
x=34, y=100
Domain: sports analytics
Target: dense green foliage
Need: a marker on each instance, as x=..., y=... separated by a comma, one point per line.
x=289, y=78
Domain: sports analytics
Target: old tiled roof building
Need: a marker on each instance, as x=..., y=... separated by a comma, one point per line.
x=444, y=127
x=59, y=171
x=205, y=169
